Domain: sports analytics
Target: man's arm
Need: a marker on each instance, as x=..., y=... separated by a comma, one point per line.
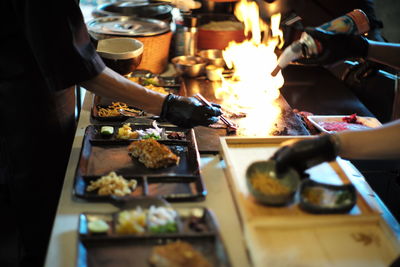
x=378, y=143
x=112, y=85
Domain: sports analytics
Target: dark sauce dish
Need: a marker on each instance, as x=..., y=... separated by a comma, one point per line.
x=320, y=198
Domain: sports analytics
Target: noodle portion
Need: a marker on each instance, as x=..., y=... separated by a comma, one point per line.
x=113, y=110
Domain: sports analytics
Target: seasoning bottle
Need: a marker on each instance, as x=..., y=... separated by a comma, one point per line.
x=190, y=35
x=354, y=22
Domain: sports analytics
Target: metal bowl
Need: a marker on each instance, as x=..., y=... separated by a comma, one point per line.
x=191, y=66
x=123, y=55
x=290, y=179
x=213, y=56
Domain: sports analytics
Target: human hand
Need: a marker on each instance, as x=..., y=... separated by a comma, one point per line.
x=335, y=46
x=188, y=112
x=304, y=154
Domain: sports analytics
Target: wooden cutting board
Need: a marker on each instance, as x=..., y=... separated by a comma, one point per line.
x=288, y=236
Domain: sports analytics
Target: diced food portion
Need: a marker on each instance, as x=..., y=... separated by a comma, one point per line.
x=125, y=132
x=153, y=154
x=131, y=222
x=162, y=220
x=112, y=184
x=177, y=254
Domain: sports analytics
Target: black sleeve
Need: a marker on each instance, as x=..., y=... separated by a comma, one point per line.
x=57, y=36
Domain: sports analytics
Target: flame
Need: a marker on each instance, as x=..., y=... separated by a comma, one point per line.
x=252, y=89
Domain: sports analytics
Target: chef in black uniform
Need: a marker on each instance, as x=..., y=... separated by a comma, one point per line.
x=44, y=51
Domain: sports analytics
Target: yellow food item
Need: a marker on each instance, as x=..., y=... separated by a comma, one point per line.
x=131, y=222
x=112, y=110
x=153, y=154
x=125, y=132
x=177, y=254
x=268, y=185
x=112, y=184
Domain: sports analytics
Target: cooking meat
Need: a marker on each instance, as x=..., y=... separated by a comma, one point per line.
x=153, y=154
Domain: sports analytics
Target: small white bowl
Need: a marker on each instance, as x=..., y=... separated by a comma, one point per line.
x=214, y=73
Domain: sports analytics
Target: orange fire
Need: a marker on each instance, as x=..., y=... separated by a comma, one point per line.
x=252, y=89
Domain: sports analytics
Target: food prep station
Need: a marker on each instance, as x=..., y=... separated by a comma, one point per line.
x=211, y=178
x=218, y=192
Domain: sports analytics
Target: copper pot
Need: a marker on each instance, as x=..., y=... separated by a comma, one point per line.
x=218, y=37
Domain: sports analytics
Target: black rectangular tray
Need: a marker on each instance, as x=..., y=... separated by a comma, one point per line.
x=172, y=85
x=111, y=249
x=99, y=156
x=102, y=102
x=95, y=136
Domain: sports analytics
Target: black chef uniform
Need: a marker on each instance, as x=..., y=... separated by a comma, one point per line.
x=44, y=51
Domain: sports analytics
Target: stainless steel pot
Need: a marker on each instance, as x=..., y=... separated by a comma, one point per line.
x=138, y=9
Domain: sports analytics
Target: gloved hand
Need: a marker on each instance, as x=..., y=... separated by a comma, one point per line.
x=336, y=46
x=306, y=153
x=188, y=112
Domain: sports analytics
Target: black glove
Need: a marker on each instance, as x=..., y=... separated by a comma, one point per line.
x=188, y=112
x=336, y=46
x=306, y=153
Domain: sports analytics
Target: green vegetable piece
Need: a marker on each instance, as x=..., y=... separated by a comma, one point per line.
x=98, y=226
x=152, y=135
x=107, y=130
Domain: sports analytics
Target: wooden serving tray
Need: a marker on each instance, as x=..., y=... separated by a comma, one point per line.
x=288, y=236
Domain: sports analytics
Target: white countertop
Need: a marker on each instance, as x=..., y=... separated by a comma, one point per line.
x=62, y=250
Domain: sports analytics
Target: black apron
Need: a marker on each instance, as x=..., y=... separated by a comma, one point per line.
x=45, y=51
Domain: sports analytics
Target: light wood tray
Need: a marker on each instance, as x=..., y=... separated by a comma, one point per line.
x=288, y=236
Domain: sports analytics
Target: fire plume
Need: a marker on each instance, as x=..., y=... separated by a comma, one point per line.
x=252, y=89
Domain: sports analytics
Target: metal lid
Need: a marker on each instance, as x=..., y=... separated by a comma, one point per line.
x=140, y=8
x=127, y=26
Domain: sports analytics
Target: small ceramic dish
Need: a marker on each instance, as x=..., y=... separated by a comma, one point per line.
x=318, y=197
x=267, y=188
x=214, y=73
x=214, y=57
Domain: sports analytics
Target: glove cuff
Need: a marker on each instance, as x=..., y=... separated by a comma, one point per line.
x=328, y=147
x=360, y=46
x=165, y=106
x=335, y=140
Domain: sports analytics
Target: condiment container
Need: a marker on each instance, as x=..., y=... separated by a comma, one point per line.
x=123, y=55
x=154, y=34
x=214, y=73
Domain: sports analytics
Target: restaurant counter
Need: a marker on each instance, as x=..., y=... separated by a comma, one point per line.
x=63, y=246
